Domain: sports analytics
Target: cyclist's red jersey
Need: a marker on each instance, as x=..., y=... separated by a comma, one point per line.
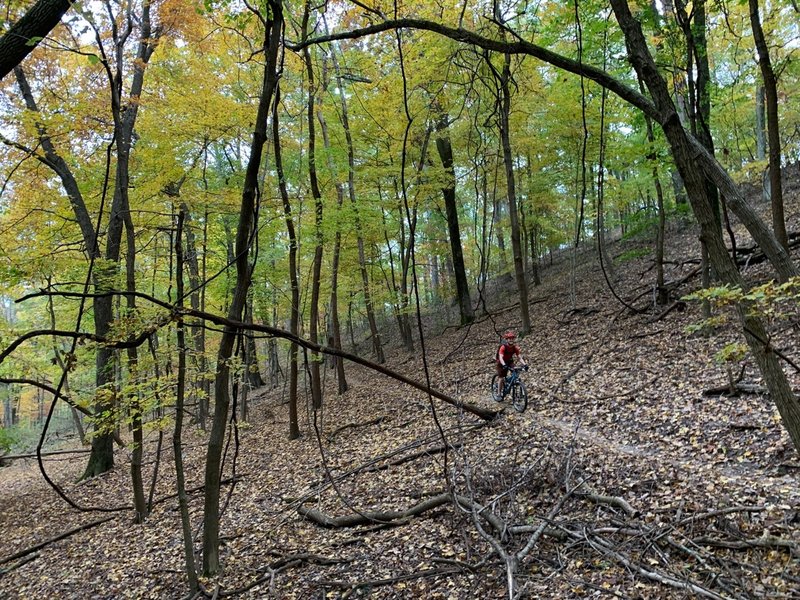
x=506, y=353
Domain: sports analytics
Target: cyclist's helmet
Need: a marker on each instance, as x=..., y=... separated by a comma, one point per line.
x=509, y=336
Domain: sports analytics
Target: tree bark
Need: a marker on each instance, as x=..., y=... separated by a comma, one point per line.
x=24, y=35
x=135, y=409
x=177, y=442
x=197, y=330
x=253, y=378
x=761, y=122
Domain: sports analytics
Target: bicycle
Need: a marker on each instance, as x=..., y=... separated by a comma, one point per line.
x=513, y=386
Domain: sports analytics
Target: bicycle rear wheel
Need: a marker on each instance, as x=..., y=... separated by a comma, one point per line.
x=496, y=396
x=519, y=397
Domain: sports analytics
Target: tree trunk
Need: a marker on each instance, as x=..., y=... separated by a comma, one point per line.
x=177, y=443
x=294, y=323
x=662, y=294
x=773, y=130
x=197, y=330
x=24, y=35
x=102, y=455
x=336, y=329
x=246, y=227
x=533, y=228
x=377, y=347
x=139, y=502
x=602, y=249
x=761, y=122
x=445, y=149
x=254, y=379
x=57, y=355
x=508, y=163
x=101, y=458
x=316, y=277
x=497, y=216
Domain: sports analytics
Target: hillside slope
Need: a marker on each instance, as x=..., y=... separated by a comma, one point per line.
x=631, y=481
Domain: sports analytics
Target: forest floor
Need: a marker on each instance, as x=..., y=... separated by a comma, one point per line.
x=628, y=480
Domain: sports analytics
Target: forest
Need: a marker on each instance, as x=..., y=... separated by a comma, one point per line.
x=257, y=258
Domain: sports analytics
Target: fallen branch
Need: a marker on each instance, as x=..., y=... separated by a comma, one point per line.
x=353, y=586
x=368, y=518
x=720, y=512
x=635, y=390
x=412, y=456
x=767, y=541
x=743, y=388
x=53, y=453
x=375, y=421
x=57, y=538
x=23, y=561
x=617, y=501
x=682, y=584
x=282, y=564
x=639, y=336
x=678, y=305
x=324, y=485
x=584, y=361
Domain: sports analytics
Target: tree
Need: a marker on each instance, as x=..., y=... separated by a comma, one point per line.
x=773, y=130
x=445, y=150
x=683, y=153
x=271, y=44
x=124, y=115
x=294, y=327
x=335, y=326
x=316, y=381
x=124, y=118
x=508, y=163
x=377, y=346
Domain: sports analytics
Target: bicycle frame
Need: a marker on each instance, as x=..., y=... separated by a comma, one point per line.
x=511, y=379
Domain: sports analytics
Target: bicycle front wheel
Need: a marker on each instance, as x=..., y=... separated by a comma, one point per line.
x=496, y=395
x=519, y=397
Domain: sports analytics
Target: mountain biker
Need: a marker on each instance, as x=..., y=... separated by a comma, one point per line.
x=505, y=358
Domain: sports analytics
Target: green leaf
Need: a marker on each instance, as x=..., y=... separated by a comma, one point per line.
x=93, y=59
x=34, y=40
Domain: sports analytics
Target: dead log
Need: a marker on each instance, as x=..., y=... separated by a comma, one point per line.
x=587, y=492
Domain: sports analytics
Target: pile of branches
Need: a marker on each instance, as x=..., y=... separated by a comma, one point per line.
x=541, y=506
